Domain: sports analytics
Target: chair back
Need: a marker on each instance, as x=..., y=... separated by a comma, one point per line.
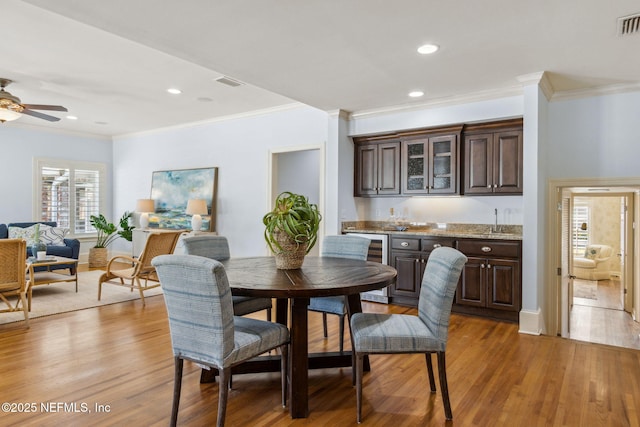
x=157, y=244
x=208, y=246
x=199, y=306
x=13, y=264
x=351, y=247
x=438, y=287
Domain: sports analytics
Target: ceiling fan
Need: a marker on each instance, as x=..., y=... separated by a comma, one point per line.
x=10, y=106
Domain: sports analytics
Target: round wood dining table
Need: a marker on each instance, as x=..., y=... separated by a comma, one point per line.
x=318, y=277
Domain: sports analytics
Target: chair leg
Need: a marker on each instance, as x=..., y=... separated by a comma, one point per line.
x=324, y=324
x=442, y=370
x=23, y=301
x=223, y=392
x=341, y=334
x=177, y=385
x=432, y=381
x=284, y=369
x=359, y=363
x=268, y=315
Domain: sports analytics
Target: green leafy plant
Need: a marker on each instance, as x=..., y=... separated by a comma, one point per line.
x=294, y=216
x=108, y=232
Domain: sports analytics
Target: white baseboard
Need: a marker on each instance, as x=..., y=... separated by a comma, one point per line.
x=530, y=322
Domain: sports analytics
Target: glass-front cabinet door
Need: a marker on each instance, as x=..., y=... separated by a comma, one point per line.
x=442, y=164
x=429, y=165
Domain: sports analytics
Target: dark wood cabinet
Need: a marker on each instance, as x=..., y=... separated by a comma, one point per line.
x=377, y=169
x=493, y=161
x=491, y=281
x=430, y=165
x=409, y=257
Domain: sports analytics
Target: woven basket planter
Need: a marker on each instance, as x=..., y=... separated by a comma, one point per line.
x=97, y=257
x=292, y=255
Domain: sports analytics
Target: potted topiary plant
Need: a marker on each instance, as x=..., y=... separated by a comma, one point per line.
x=107, y=234
x=291, y=229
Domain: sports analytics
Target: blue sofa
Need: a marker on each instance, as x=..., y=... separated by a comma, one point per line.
x=71, y=249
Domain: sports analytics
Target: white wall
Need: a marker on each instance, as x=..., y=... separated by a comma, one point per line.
x=594, y=137
x=239, y=148
x=20, y=145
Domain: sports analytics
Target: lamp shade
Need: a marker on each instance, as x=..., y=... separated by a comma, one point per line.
x=6, y=115
x=145, y=205
x=196, y=207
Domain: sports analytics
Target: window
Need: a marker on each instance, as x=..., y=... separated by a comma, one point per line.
x=69, y=192
x=580, y=226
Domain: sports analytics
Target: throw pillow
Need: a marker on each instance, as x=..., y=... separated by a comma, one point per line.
x=27, y=233
x=53, y=236
x=592, y=252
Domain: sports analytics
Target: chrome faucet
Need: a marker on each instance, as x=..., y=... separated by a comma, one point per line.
x=495, y=229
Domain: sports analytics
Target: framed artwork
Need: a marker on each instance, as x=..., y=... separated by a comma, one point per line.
x=172, y=189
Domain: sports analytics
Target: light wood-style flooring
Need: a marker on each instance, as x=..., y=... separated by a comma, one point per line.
x=118, y=359
x=597, y=315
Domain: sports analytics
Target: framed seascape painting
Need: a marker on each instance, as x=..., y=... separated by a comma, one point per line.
x=172, y=189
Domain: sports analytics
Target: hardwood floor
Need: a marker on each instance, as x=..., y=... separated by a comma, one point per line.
x=119, y=356
x=598, y=315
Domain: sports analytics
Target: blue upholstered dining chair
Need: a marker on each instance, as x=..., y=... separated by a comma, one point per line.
x=217, y=247
x=204, y=329
x=376, y=333
x=352, y=247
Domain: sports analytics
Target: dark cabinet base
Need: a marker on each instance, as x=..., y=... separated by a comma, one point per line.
x=509, y=316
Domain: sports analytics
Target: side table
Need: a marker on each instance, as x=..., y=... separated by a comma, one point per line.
x=37, y=278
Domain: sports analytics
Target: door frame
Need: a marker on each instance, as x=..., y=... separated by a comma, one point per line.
x=554, y=274
x=272, y=173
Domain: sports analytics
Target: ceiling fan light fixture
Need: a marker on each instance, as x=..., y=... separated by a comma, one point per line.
x=9, y=109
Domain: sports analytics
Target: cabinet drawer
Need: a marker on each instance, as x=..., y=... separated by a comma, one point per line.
x=431, y=243
x=489, y=248
x=405, y=244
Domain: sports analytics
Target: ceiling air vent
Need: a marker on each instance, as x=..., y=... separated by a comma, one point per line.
x=228, y=81
x=628, y=25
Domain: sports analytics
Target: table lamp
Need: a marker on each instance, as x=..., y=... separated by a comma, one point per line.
x=144, y=206
x=196, y=207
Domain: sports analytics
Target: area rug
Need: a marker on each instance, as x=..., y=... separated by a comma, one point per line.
x=587, y=289
x=61, y=297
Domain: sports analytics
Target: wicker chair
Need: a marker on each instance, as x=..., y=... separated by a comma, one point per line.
x=352, y=247
x=375, y=333
x=13, y=266
x=204, y=329
x=217, y=247
x=142, y=271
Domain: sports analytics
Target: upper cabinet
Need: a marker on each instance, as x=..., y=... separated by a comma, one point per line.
x=377, y=169
x=433, y=161
x=493, y=159
x=430, y=165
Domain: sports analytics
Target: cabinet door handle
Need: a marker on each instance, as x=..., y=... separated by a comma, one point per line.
x=488, y=265
x=437, y=245
x=404, y=244
x=495, y=185
x=489, y=186
x=481, y=265
x=486, y=249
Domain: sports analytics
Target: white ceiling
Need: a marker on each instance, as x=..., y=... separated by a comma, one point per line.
x=110, y=62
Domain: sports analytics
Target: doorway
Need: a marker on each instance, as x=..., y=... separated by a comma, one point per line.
x=597, y=281
x=298, y=170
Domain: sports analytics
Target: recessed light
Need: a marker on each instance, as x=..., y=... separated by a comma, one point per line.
x=428, y=48
x=174, y=91
x=416, y=94
x=72, y=118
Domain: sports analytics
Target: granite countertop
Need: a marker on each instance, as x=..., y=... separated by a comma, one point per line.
x=473, y=231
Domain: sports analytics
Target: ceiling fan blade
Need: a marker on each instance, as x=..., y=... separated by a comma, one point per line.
x=40, y=115
x=44, y=107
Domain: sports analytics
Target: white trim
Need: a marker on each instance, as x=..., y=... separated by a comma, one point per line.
x=321, y=185
x=595, y=91
x=531, y=322
x=45, y=128
x=486, y=95
x=244, y=115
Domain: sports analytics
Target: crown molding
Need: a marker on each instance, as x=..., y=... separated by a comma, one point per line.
x=487, y=95
x=340, y=114
x=46, y=129
x=541, y=78
x=595, y=91
x=254, y=113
